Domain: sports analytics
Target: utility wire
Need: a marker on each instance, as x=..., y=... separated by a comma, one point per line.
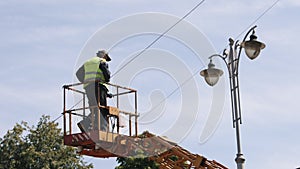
x=252, y=23
x=260, y=16
x=177, y=88
x=196, y=72
x=159, y=37
x=152, y=43
x=69, y=109
x=57, y=118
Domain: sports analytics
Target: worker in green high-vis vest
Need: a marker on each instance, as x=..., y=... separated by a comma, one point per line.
x=94, y=73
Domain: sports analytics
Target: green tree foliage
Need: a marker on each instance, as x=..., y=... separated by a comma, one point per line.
x=142, y=161
x=38, y=147
x=136, y=163
x=139, y=161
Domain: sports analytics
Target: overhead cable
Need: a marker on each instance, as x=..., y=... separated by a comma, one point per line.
x=196, y=72
x=160, y=36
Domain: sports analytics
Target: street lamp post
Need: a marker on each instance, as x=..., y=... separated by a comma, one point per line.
x=252, y=49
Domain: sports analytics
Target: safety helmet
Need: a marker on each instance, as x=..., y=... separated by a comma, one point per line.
x=102, y=53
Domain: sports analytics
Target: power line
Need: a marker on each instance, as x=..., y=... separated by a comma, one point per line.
x=252, y=23
x=260, y=16
x=57, y=118
x=196, y=72
x=152, y=43
x=177, y=88
x=160, y=36
x=69, y=109
x=182, y=84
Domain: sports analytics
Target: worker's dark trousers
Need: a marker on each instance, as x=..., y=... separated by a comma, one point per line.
x=96, y=92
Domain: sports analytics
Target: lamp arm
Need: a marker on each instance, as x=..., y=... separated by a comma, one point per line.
x=252, y=29
x=240, y=49
x=218, y=55
x=214, y=55
x=223, y=58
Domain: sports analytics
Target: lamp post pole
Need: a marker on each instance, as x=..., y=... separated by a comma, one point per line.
x=235, y=101
x=231, y=59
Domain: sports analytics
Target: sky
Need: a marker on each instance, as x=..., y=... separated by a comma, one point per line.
x=44, y=42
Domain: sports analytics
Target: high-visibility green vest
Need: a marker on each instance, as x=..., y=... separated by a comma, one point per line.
x=92, y=72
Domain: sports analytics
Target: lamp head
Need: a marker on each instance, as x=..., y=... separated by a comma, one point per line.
x=211, y=74
x=252, y=47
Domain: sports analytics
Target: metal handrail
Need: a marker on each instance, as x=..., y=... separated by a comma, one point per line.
x=71, y=111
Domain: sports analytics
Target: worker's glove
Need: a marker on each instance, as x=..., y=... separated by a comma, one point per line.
x=109, y=95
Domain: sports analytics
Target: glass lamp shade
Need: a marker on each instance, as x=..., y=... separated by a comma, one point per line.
x=252, y=47
x=211, y=75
